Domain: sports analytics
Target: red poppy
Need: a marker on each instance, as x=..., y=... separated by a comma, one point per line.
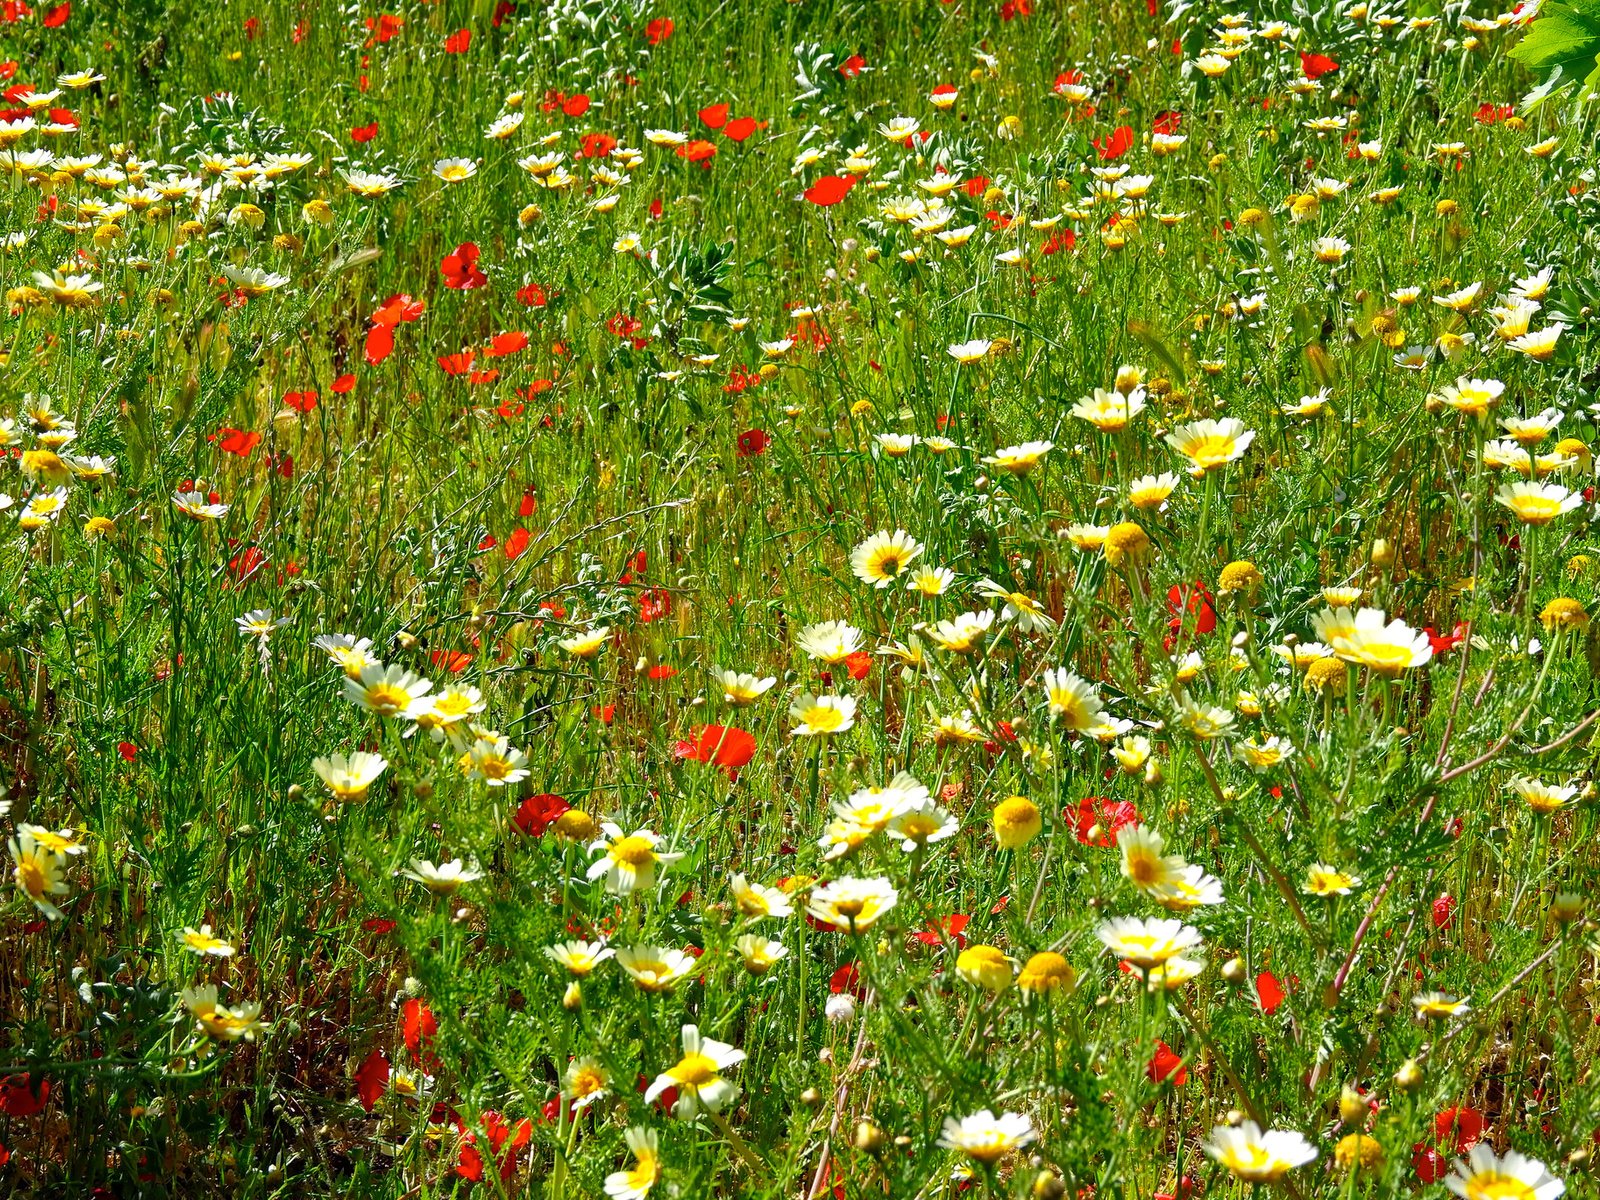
x=951, y=927
x=457, y=364
x=1315, y=66
x=19, y=1097
x=1110, y=815
x=1270, y=992
x=380, y=344
x=661, y=671
x=852, y=66
x=127, y=750
x=1444, y=908
x=418, y=1026
x=1195, y=599
x=505, y=343
x=344, y=385
x=715, y=116
x=502, y=1137
x=1428, y=1163
x=847, y=979
x=1016, y=8
x=752, y=442
x=236, y=441
x=654, y=603
x=384, y=27
x=724, y=746
x=1443, y=643
x=537, y=813
x=460, y=268
x=1062, y=241
x=302, y=402
x=399, y=309
x=458, y=42
x=1166, y=1066
x=517, y=542
x=596, y=145
x=57, y=16
x=1167, y=122
x=697, y=151
x=1464, y=1124
x=1115, y=146
x=364, y=133
x=658, y=30
x=575, y=106
x=372, y=1077
x=247, y=563
x=859, y=665
x=532, y=295
x=740, y=129
x=830, y=189
x=453, y=661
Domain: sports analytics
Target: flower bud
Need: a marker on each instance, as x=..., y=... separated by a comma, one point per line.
x=868, y=1137
x=1352, y=1106
x=1567, y=907
x=1409, y=1077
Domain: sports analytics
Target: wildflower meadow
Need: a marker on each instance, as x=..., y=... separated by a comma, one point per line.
x=799, y=598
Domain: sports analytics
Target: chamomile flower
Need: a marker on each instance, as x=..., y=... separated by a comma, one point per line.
x=884, y=557
x=755, y=901
x=830, y=642
x=850, y=904
x=442, y=879
x=1483, y=1175
x=350, y=777
x=740, y=688
x=1256, y=1157
x=204, y=943
x=1074, y=702
x=822, y=715
x=628, y=861
x=985, y=1137
x=697, y=1076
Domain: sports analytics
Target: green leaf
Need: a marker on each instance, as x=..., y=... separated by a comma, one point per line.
x=1564, y=42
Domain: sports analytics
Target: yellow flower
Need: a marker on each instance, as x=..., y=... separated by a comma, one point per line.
x=1016, y=822
x=46, y=466
x=1537, y=503
x=1323, y=880
x=984, y=967
x=1046, y=971
x=1358, y=1149
x=1239, y=576
x=575, y=825
x=1326, y=674
x=1125, y=542
x=1209, y=444
x=1564, y=613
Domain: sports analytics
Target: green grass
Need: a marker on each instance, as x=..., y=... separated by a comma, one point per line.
x=135, y=712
